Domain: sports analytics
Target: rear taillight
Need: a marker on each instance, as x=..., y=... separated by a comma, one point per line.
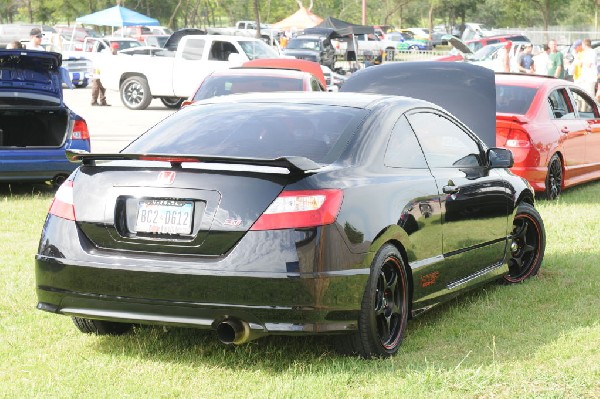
x=80, y=130
x=297, y=209
x=62, y=205
x=518, y=138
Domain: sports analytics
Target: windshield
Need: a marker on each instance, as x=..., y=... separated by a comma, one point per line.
x=255, y=130
x=484, y=53
x=304, y=44
x=255, y=49
x=224, y=85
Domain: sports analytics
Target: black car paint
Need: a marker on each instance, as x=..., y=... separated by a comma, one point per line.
x=282, y=281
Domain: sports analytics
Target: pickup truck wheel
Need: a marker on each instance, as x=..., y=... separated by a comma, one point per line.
x=135, y=93
x=172, y=102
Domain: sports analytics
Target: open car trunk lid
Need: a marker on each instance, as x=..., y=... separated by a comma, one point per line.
x=188, y=208
x=30, y=78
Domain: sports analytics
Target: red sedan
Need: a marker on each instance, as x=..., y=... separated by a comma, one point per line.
x=552, y=127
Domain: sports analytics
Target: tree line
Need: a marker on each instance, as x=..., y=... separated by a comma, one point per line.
x=572, y=14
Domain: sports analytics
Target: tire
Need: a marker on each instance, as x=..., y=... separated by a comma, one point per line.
x=135, y=93
x=554, y=178
x=101, y=327
x=172, y=102
x=413, y=49
x=384, y=309
x=528, y=245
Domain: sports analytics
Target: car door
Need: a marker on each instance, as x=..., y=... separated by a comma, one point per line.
x=589, y=118
x=475, y=200
x=572, y=131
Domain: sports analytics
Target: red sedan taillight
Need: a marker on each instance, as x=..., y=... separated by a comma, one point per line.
x=62, y=205
x=298, y=209
x=80, y=130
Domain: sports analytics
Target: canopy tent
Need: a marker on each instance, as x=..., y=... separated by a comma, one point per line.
x=338, y=28
x=299, y=20
x=117, y=16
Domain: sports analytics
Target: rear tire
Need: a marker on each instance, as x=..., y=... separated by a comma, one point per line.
x=101, y=327
x=554, y=178
x=135, y=93
x=384, y=309
x=528, y=243
x=172, y=102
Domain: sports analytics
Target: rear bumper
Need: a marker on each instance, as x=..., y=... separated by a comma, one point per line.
x=277, y=296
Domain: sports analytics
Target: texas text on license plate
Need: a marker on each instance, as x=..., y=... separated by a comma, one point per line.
x=165, y=217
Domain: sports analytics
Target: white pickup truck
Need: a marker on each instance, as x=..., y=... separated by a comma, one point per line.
x=245, y=28
x=173, y=75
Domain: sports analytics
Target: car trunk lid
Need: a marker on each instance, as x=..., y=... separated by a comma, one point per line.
x=188, y=206
x=28, y=76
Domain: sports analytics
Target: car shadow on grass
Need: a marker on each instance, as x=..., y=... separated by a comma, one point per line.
x=24, y=189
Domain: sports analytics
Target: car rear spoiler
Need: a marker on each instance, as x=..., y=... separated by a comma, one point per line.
x=296, y=165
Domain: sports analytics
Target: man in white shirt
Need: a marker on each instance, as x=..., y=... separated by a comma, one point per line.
x=35, y=40
x=589, y=68
x=541, y=61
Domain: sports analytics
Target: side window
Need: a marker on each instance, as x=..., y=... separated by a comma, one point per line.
x=403, y=150
x=560, y=106
x=220, y=51
x=585, y=105
x=193, y=49
x=445, y=144
x=314, y=84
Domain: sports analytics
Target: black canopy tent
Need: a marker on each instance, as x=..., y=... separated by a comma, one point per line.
x=334, y=28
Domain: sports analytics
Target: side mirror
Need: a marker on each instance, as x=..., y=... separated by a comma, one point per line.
x=500, y=158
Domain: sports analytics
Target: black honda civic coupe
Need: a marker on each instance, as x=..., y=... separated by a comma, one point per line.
x=287, y=213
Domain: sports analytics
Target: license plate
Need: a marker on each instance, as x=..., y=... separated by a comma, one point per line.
x=164, y=217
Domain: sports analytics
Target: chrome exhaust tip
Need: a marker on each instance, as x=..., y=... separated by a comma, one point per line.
x=233, y=331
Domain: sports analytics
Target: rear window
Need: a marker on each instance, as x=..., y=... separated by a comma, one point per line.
x=257, y=130
x=514, y=99
x=224, y=85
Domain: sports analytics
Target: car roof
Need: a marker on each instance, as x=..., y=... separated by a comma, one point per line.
x=274, y=72
x=290, y=63
x=353, y=100
x=533, y=81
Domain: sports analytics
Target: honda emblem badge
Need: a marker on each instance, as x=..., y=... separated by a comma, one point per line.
x=166, y=178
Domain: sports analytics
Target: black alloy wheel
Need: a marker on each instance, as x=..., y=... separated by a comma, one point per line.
x=528, y=242
x=554, y=178
x=384, y=309
x=172, y=102
x=101, y=327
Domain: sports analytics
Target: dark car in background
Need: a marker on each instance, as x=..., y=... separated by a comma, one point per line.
x=317, y=48
x=36, y=126
x=287, y=213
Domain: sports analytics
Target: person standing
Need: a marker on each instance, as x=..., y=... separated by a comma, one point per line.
x=556, y=66
x=503, y=59
x=589, y=68
x=35, y=40
x=525, y=61
x=98, y=90
x=541, y=61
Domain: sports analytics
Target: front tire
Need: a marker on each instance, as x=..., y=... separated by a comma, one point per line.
x=101, y=327
x=527, y=246
x=135, y=93
x=384, y=309
x=554, y=178
x=172, y=102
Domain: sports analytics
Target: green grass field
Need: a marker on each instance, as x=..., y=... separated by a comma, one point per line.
x=540, y=339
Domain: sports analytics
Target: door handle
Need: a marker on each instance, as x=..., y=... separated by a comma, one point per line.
x=450, y=189
x=564, y=130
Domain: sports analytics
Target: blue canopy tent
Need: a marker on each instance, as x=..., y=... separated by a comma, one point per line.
x=117, y=16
